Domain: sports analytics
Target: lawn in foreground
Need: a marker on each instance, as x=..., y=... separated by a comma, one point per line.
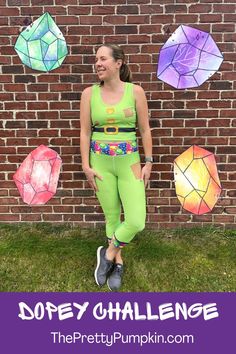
x=45, y=257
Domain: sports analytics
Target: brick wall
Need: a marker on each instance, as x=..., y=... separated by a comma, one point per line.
x=43, y=108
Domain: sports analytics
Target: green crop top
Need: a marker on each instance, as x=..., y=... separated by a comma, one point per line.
x=122, y=114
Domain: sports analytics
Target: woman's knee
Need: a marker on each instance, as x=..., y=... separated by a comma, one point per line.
x=136, y=225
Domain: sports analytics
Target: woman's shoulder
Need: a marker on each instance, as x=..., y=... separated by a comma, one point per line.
x=87, y=92
x=138, y=91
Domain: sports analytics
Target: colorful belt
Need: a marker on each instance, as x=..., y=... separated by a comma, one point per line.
x=113, y=149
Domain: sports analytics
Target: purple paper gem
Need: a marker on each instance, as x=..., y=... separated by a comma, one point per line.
x=188, y=58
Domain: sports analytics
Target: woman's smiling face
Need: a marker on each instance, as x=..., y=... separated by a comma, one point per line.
x=105, y=64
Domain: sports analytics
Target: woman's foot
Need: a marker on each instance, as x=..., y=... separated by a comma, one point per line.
x=114, y=280
x=103, y=268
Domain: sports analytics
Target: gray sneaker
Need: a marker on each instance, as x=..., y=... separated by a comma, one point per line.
x=115, y=278
x=103, y=266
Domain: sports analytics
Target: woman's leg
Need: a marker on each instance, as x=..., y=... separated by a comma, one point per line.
x=107, y=194
x=122, y=183
x=132, y=194
x=118, y=256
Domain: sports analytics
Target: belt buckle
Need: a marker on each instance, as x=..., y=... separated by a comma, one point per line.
x=111, y=126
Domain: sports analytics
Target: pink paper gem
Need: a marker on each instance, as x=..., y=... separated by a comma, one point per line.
x=37, y=177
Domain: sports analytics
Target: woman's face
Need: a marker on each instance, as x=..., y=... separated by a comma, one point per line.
x=105, y=65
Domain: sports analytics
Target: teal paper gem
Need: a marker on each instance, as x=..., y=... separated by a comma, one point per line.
x=41, y=46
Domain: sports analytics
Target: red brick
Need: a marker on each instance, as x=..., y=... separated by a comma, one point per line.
x=224, y=8
x=59, y=124
x=38, y=141
x=60, y=87
x=25, y=115
x=59, y=105
x=220, y=104
x=219, y=123
x=48, y=78
x=183, y=132
x=9, y=217
x=73, y=217
x=186, y=19
x=207, y=113
x=76, y=32
x=200, y=8
x=217, y=141
x=25, y=96
x=90, y=20
x=229, y=17
x=9, y=11
x=9, y=31
x=15, y=124
x=90, y=2
x=79, y=10
x=47, y=115
x=223, y=218
x=37, y=106
x=37, y=87
x=48, y=133
x=226, y=27
x=7, y=201
x=15, y=106
x=103, y=10
x=197, y=104
x=16, y=142
x=184, y=114
x=195, y=123
x=66, y=2
x=210, y=18
x=43, y=96
x=14, y=87
x=210, y=94
x=228, y=113
x=6, y=97
x=52, y=217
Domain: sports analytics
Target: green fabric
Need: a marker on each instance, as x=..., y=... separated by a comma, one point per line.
x=122, y=114
x=119, y=187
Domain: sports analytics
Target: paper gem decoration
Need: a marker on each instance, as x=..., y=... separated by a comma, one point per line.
x=41, y=46
x=188, y=58
x=197, y=182
x=37, y=176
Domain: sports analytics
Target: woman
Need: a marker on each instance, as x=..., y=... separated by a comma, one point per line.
x=109, y=112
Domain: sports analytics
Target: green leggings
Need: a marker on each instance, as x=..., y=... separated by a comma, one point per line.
x=121, y=185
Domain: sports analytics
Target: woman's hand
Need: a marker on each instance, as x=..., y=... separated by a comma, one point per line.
x=90, y=175
x=146, y=171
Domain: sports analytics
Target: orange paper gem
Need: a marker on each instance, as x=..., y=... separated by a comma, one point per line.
x=197, y=182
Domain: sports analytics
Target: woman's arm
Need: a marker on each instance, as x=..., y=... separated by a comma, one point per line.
x=143, y=122
x=145, y=131
x=85, y=127
x=85, y=135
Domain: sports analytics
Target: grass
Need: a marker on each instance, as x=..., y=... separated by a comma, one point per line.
x=45, y=257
